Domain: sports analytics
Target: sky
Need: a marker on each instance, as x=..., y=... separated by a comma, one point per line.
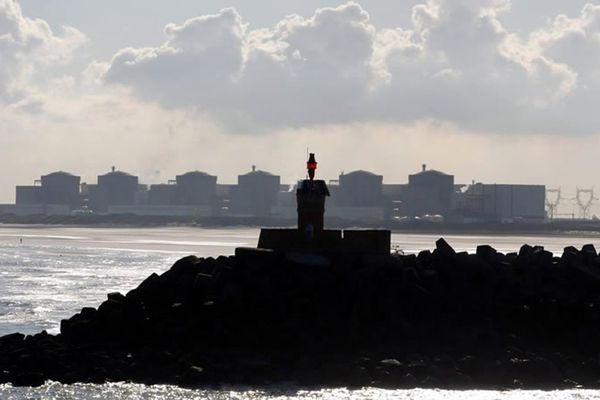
x=494, y=91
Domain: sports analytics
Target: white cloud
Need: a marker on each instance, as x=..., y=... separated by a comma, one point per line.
x=26, y=46
x=197, y=65
x=456, y=63
x=304, y=70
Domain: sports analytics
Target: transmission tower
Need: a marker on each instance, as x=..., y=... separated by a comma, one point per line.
x=552, y=203
x=585, y=204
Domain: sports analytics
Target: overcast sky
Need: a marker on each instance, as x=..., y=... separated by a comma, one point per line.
x=488, y=90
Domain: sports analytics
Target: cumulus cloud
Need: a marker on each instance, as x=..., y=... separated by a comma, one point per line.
x=461, y=65
x=292, y=73
x=456, y=62
x=198, y=64
x=26, y=46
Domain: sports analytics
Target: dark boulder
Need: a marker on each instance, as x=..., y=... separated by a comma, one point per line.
x=444, y=249
x=11, y=339
x=589, y=249
x=486, y=252
x=33, y=379
x=525, y=250
x=425, y=258
x=187, y=265
x=193, y=376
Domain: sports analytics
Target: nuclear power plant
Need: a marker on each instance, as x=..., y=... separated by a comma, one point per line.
x=357, y=196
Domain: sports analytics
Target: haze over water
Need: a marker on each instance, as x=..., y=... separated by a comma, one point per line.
x=56, y=271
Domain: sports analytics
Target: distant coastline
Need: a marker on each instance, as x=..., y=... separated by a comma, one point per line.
x=558, y=227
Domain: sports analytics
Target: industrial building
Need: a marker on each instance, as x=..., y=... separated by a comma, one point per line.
x=56, y=188
x=115, y=188
x=120, y=187
x=356, y=196
x=60, y=188
x=195, y=188
x=29, y=195
x=255, y=194
x=359, y=189
x=504, y=202
x=162, y=194
x=428, y=192
x=191, y=194
x=56, y=193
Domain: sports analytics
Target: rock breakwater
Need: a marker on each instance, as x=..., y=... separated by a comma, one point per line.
x=437, y=319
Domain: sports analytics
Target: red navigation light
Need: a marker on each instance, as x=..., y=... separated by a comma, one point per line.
x=311, y=165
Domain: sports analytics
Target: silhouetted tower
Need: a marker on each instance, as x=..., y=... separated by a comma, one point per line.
x=310, y=198
x=585, y=205
x=552, y=205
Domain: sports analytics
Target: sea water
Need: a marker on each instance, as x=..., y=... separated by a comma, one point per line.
x=122, y=391
x=49, y=273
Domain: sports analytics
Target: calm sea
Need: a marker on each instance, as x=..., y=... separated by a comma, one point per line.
x=48, y=273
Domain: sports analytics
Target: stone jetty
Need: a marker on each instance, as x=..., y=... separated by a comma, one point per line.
x=441, y=319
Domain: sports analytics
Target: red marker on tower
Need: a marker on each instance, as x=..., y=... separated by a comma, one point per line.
x=311, y=165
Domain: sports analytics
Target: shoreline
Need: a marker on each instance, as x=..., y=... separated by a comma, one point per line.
x=581, y=229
